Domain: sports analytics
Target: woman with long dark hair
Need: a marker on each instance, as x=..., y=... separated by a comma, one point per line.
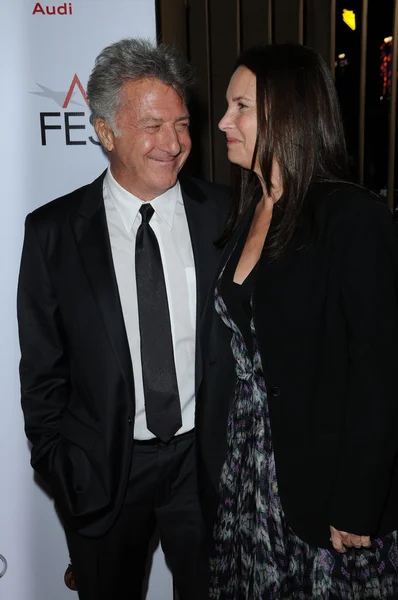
x=297, y=416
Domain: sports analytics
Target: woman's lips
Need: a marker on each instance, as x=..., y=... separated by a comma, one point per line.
x=232, y=141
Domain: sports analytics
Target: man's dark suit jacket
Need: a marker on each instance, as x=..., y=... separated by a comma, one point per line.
x=326, y=317
x=76, y=372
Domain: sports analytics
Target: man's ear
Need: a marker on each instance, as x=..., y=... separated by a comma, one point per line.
x=105, y=134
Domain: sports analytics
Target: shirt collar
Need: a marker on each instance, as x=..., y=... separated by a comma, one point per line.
x=128, y=205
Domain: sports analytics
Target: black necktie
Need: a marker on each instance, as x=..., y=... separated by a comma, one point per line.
x=162, y=402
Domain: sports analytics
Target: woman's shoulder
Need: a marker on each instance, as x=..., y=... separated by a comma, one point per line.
x=342, y=202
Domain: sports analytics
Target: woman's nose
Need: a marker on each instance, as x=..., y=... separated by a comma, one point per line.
x=225, y=122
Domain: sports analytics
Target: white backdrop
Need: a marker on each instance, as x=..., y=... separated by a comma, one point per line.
x=42, y=55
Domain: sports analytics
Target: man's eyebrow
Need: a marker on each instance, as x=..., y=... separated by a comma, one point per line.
x=151, y=120
x=146, y=120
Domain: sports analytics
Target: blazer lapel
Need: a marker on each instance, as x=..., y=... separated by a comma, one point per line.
x=223, y=259
x=92, y=239
x=230, y=245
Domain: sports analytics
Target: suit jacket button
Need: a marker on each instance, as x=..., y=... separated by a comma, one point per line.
x=275, y=391
x=129, y=421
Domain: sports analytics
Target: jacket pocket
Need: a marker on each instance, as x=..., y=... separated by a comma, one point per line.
x=77, y=432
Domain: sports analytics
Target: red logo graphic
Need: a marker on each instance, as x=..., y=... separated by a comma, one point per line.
x=63, y=98
x=62, y=9
x=75, y=82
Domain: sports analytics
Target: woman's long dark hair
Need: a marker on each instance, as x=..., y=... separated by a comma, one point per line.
x=299, y=125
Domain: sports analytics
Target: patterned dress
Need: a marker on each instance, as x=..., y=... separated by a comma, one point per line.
x=256, y=556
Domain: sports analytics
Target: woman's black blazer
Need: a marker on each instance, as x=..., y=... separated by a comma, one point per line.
x=326, y=317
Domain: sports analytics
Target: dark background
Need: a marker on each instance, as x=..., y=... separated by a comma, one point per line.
x=212, y=33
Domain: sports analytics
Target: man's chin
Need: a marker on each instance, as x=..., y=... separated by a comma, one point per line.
x=166, y=180
x=163, y=178
x=162, y=184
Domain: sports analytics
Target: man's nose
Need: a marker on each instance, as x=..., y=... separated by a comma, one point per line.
x=171, y=142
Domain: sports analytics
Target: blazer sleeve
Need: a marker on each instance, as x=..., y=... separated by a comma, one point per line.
x=370, y=436
x=44, y=370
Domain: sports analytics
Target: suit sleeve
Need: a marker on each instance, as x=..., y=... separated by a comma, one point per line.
x=370, y=436
x=44, y=370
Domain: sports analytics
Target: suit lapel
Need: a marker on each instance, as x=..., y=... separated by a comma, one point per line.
x=203, y=229
x=200, y=230
x=92, y=239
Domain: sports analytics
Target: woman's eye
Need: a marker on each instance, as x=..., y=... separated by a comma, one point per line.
x=241, y=106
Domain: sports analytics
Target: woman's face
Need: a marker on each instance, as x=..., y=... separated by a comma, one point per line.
x=240, y=120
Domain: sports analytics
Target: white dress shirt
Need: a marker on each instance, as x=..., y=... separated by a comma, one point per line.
x=170, y=225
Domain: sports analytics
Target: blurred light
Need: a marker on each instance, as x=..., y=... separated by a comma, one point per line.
x=388, y=39
x=386, y=67
x=349, y=18
x=342, y=55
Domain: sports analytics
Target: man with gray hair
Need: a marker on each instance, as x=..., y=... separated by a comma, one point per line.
x=113, y=281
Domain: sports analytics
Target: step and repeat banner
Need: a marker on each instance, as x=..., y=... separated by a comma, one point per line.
x=48, y=149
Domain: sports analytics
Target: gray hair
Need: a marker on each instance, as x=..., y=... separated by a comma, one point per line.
x=130, y=60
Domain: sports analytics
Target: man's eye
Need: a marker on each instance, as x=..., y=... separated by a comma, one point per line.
x=182, y=126
x=152, y=127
